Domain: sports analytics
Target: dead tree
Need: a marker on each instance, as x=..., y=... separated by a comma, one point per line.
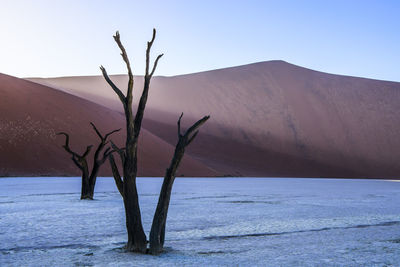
x=136, y=236
x=127, y=183
x=157, y=233
x=89, y=179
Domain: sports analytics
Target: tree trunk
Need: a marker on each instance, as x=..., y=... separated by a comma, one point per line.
x=136, y=237
x=86, y=190
x=92, y=179
x=157, y=233
x=137, y=240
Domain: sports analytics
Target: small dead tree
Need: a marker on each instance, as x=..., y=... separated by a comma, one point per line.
x=89, y=178
x=137, y=241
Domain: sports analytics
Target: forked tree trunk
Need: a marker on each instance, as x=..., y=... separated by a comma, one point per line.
x=157, y=233
x=136, y=237
x=137, y=240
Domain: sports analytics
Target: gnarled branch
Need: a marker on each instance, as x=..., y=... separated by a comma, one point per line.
x=195, y=126
x=68, y=149
x=113, y=86
x=124, y=55
x=187, y=137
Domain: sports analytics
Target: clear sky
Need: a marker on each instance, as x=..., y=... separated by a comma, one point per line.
x=48, y=38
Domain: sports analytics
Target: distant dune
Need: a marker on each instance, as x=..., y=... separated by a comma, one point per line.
x=270, y=119
x=32, y=114
x=267, y=119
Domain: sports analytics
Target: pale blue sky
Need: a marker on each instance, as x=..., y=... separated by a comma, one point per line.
x=61, y=38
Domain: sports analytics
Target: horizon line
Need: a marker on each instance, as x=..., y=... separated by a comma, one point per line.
x=210, y=70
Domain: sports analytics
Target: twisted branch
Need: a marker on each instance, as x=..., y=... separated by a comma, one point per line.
x=113, y=86
x=128, y=66
x=68, y=149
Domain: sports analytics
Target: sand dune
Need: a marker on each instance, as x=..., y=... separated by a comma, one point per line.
x=271, y=118
x=32, y=114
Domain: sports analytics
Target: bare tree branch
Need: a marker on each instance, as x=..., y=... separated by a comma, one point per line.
x=97, y=131
x=116, y=175
x=146, y=86
x=88, y=148
x=149, y=44
x=120, y=151
x=124, y=55
x=113, y=86
x=128, y=66
x=179, y=126
x=192, y=138
x=110, y=133
x=77, y=163
x=195, y=126
x=186, y=136
x=108, y=152
x=66, y=146
x=103, y=138
x=155, y=64
x=68, y=149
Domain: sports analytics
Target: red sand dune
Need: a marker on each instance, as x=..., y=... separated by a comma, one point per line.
x=32, y=114
x=271, y=119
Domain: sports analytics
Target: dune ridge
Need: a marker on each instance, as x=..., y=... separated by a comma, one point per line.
x=270, y=118
x=267, y=119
